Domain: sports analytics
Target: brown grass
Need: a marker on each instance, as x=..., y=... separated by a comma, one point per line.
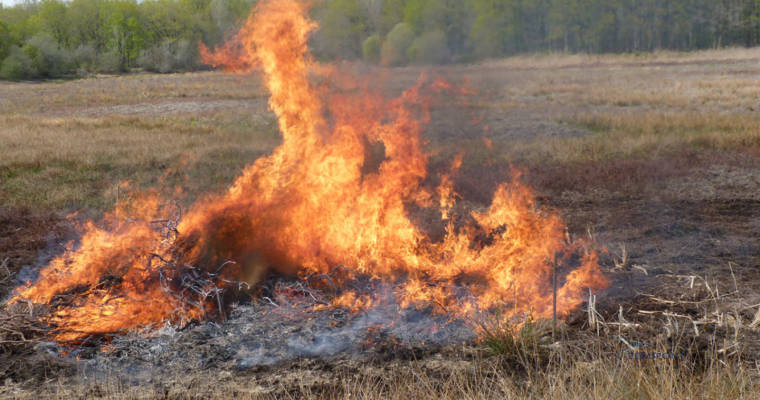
x=560, y=60
x=604, y=379
x=66, y=145
x=643, y=136
x=73, y=162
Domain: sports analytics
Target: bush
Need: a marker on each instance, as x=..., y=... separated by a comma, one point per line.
x=85, y=58
x=18, y=65
x=5, y=41
x=430, y=48
x=169, y=56
x=48, y=59
x=396, y=44
x=371, y=49
x=109, y=62
x=522, y=344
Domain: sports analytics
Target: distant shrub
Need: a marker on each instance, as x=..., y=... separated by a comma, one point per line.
x=85, y=58
x=109, y=62
x=18, y=65
x=430, y=48
x=48, y=59
x=396, y=44
x=371, y=49
x=169, y=56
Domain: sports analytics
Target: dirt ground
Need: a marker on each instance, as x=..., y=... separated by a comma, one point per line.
x=673, y=205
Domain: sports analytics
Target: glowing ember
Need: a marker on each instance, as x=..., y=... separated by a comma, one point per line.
x=309, y=206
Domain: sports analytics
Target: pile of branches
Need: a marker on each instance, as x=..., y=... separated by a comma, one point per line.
x=208, y=292
x=22, y=335
x=21, y=326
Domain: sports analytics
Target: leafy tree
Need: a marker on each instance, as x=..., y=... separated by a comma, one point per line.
x=491, y=30
x=371, y=49
x=396, y=44
x=53, y=15
x=47, y=58
x=18, y=65
x=160, y=35
x=126, y=32
x=429, y=48
x=5, y=41
x=343, y=27
x=392, y=13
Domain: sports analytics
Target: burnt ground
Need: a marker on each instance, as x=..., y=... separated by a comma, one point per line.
x=27, y=237
x=678, y=221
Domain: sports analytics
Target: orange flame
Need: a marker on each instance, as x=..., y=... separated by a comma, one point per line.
x=311, y=205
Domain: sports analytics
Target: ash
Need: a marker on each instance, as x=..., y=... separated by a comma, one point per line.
x=272, y=331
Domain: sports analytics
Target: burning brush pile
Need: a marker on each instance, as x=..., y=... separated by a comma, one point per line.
x=334, y=229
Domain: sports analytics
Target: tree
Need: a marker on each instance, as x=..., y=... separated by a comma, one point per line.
x=371, y=49
x=343, y=28
x=396, y=44
x=54, y=21
x=5, y=41
x=126, y=32
x=392, y=13
x=491, y=32
x=430, y=48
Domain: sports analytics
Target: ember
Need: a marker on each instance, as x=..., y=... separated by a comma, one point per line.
x=310, y=206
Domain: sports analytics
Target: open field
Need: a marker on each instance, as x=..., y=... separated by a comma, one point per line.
x=656, y=157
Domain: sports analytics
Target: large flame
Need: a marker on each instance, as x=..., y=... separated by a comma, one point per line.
x=312, y=205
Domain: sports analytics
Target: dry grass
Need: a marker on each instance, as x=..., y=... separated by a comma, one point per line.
x=77, y=162
x=66, y=145
x=560, y=60
x=642, y=136
x=604, y=379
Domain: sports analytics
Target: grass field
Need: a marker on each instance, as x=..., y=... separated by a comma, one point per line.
x=657, y=157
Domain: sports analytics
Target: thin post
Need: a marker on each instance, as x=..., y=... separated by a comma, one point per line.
x=514, y=286
x=554, y=300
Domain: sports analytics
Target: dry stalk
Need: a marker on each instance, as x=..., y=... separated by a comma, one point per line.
x=6, y=273
x=595, y=319
x=622, y=262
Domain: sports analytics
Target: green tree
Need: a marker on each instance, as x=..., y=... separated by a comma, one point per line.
x=343, y=28
x=371, y=49
x=127, y=38
x=396, y=45
x=53, y=15
x=492, y=30
x=430, y=48
x=18, y=65
x=392, y=14
x=5, y=41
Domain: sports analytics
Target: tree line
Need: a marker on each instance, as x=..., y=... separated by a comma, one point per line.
x=49, y=38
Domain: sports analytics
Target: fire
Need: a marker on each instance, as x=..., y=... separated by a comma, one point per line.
x=310, y=206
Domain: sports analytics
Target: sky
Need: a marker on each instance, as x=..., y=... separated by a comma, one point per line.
x=9, y=2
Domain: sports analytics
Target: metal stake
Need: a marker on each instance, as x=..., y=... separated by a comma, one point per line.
x=554, y=291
